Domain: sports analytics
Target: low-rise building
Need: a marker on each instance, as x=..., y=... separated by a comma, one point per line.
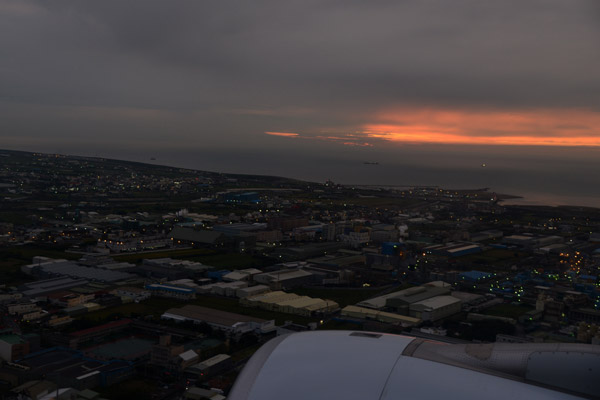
x=32, y=316
x=135, y=293
x=251, y=291
x=13, y=347
x=21, y=308
x=381, y=316
x=77, y=339
x=10, y=297
x=56, y=320
x=284, y=278
x=222, y=320
x=241, y=275
x=171, y=291
x=69, y=299
x=228, y=289
x=435, y=308
x=401, y=300
x=42, y=288
x=290, y=303
x=211, y=367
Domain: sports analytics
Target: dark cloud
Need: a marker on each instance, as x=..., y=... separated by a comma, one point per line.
x=213, y=72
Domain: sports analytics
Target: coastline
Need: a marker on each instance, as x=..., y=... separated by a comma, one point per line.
x=550, y=200
x=573, y=196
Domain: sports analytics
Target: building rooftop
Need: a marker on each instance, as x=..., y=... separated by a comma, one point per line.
x=408, y=296
x=74, y=270
x=12, y=339
x=157, y=286
x=210, y=315
x=129, y=348
x=43, y=287
x=188, y=355
x=110, y=325
x=197, y=236
x=436, y=302
x=213, y=360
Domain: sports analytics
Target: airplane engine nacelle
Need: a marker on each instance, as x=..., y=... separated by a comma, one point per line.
x=359, y=365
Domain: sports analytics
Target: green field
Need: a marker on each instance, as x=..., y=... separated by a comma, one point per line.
x=10, y=272
x=489, y=260
x=508, y=310
x=341, y=326
x=130, y=389
x=16, y=217
x=245, y=353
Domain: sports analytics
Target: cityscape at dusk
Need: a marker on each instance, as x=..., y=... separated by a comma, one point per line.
x=299, y=199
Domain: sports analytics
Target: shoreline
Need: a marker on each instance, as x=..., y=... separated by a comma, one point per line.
x=547, y=201
x=504, y=199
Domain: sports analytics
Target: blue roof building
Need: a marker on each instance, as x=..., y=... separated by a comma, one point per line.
x=474, y=276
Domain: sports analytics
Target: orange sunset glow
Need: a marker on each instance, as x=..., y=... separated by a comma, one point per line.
x=537, y=127
x=284, y=134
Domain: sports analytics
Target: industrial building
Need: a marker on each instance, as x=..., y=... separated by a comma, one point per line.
x=307, y=251
x=130, y=348
x=226, y=321
x=76, y=340
x=486, y=235
x=251, y=291
x=381, y=316
x=453, y=249
x=290, y=303
x=268, y=300
x=13, y=347
x=71, y=368
x=475, y=276
x=340, y=259
x=181, y=235
x=284, y=279
x=238, y=228
x=529, y=240
x=402, y=302
x=41, y=288
x=228, y=289
x=171, y=269
x=171, y=291
x=241, y=275
x=237, y=197
x=134, y=293
x=399, y=301
x=435, y=308
x=47, y=267
x=210, y=367
x=379, y=302
x=69, y=299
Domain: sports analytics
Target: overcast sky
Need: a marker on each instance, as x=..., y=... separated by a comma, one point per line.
x=152, y=76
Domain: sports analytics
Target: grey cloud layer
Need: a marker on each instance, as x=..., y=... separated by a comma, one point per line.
x=233, y=67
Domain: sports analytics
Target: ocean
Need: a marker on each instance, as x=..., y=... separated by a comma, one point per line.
x=540, y=175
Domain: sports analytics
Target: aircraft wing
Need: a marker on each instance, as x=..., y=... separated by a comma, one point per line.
x=360, y=365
